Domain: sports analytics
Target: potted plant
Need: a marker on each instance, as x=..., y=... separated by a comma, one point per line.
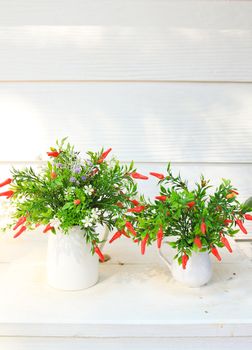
x=69, y=197
x=195, y=222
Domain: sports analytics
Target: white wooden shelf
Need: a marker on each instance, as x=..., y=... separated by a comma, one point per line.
x=136, y=301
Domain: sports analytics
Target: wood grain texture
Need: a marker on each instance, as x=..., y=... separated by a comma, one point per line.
x=219, y=14
x=54, y=343
x=125, y=53
x=152, y=304
x=144, y=122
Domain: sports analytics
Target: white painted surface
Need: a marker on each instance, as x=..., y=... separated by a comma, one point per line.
x=197, y=343
x=144, y=122
x=194, y=125
x=219, y=14
x=126, y=40
x=131, y=300
x=125, y=53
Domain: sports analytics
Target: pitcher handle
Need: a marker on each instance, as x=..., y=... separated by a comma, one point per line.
x=105, y=237
x=164, y=258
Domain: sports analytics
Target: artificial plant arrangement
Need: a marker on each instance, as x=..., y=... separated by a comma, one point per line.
x=196, y=220
x=71, y=191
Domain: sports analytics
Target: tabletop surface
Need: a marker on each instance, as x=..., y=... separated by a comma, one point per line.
x=135, y=296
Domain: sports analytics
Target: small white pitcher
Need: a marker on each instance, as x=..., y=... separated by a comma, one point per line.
x=198, y=269
x=70, y=263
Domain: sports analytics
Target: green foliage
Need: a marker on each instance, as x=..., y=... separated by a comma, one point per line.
x=183, y=211
x=102, y=190
x=248, y=204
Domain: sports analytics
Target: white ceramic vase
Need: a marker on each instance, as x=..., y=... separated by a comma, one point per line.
x=198, y=270
x=70, y=263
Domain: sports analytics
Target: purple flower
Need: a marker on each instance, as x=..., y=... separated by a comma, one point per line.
x=72, y=179
x=89, y=162
x=59, y=165
x=77, y=170
x=83, y=178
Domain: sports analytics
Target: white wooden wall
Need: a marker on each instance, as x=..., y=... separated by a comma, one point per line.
x=157, y=80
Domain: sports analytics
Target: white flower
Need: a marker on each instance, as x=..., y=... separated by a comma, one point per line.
x=69, y=191
x=88, y=189
x=87, y=222
x=95, y=213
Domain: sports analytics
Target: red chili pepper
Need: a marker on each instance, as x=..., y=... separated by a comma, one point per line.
x=136, y=209
x=53, y=175
x=240, y=224
x=77, y=201
x=230, y=195
x=119, y=205
x=125, y=234
x=248, y=217
x=7, y=194
x=191, y=204
x=136, y=241
x=227, y=221
x=160, y=235
x=143, y=244
x=226, y=243
x=95, y=171
x=159, y=176
x=161, y=198
x=235, y=192
x=23, y=228
x=20, y=222
x=48, y=228
x=130, y=228
x=198, y=242
x=104, y=155
x=99, y=253
x=6, y=182
x=215, y=252
x=203, y=227
x=139, y=176
x=185, y=258
x=53, y=154
x=116, y=235
x=134, y=201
